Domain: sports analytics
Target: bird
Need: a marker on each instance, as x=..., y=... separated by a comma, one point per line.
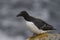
x=35, y=25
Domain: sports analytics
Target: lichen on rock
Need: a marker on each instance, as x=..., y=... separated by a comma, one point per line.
x=45, y=36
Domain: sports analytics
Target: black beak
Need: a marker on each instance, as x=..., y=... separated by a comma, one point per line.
x=18, y=15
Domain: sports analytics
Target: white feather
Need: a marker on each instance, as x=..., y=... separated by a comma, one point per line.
x=33, y=28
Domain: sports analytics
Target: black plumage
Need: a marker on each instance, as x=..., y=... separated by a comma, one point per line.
x=38, y=22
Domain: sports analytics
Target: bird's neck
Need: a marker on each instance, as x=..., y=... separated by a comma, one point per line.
x=27, y=17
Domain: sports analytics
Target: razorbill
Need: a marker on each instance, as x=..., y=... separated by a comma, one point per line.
x=35, y=25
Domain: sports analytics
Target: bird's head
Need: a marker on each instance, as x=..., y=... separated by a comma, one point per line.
x=22, y=13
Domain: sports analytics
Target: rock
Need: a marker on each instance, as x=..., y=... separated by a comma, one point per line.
x=45, y=36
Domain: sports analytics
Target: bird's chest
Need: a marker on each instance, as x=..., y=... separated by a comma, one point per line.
x=32, y=26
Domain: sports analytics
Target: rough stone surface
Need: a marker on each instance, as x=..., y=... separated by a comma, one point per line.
x=45, y=36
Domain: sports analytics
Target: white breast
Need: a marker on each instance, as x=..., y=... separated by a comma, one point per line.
x=33, y=28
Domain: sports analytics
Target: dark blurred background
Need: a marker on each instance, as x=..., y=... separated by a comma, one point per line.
x=13, y=28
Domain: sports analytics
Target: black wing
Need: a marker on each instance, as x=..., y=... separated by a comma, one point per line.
x=42, y=25
x=39, y=23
